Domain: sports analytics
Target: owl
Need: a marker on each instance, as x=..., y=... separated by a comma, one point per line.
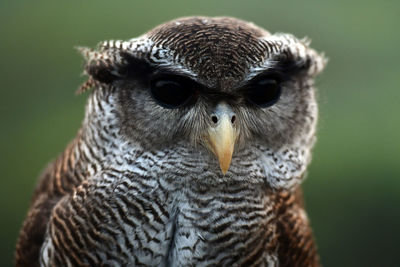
x=194, y=143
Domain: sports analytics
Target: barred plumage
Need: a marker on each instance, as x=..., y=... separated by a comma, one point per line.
x=144, y=183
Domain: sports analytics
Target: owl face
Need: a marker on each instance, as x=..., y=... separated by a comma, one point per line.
x=220, y=85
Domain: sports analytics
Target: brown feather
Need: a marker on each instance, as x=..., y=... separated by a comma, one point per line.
x=296, y=243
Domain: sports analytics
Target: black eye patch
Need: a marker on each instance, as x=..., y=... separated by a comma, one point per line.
x=264, y=91
x=172, y=91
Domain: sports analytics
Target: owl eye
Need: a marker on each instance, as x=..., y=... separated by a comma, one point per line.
x=171, y=92
x=265, y=92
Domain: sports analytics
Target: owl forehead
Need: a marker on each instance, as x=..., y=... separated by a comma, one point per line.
x=223, y=53
x=217, y=51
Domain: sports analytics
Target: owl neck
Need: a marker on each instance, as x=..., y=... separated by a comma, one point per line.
x=99, y=141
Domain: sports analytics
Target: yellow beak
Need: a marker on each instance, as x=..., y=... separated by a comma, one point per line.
x=222, y=140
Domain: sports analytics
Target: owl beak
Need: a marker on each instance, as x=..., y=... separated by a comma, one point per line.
x=222, y=136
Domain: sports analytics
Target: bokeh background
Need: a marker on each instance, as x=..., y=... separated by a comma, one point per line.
x=353, y=188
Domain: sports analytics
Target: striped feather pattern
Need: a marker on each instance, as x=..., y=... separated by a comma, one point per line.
x=113, y=198
x=138, y=207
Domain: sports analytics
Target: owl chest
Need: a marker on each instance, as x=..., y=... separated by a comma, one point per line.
x=181, y=227
x=223, y=230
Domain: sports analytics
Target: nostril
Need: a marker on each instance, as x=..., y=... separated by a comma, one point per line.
x=233, y=119
x=214, y=118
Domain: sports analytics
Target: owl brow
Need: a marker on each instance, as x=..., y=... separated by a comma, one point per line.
x=273, y=73
x=161, y=71
x=136, y=67
x=283, y=69
x=139, y=67
x=212, y=92
x=291, y=66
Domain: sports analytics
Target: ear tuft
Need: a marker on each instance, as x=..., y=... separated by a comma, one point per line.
x=287, y=48
x=101, y=65
x=86, y=86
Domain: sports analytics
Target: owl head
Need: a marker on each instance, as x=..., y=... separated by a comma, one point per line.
x=221, y=85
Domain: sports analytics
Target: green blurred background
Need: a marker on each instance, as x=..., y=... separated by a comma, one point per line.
x=353, y=188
